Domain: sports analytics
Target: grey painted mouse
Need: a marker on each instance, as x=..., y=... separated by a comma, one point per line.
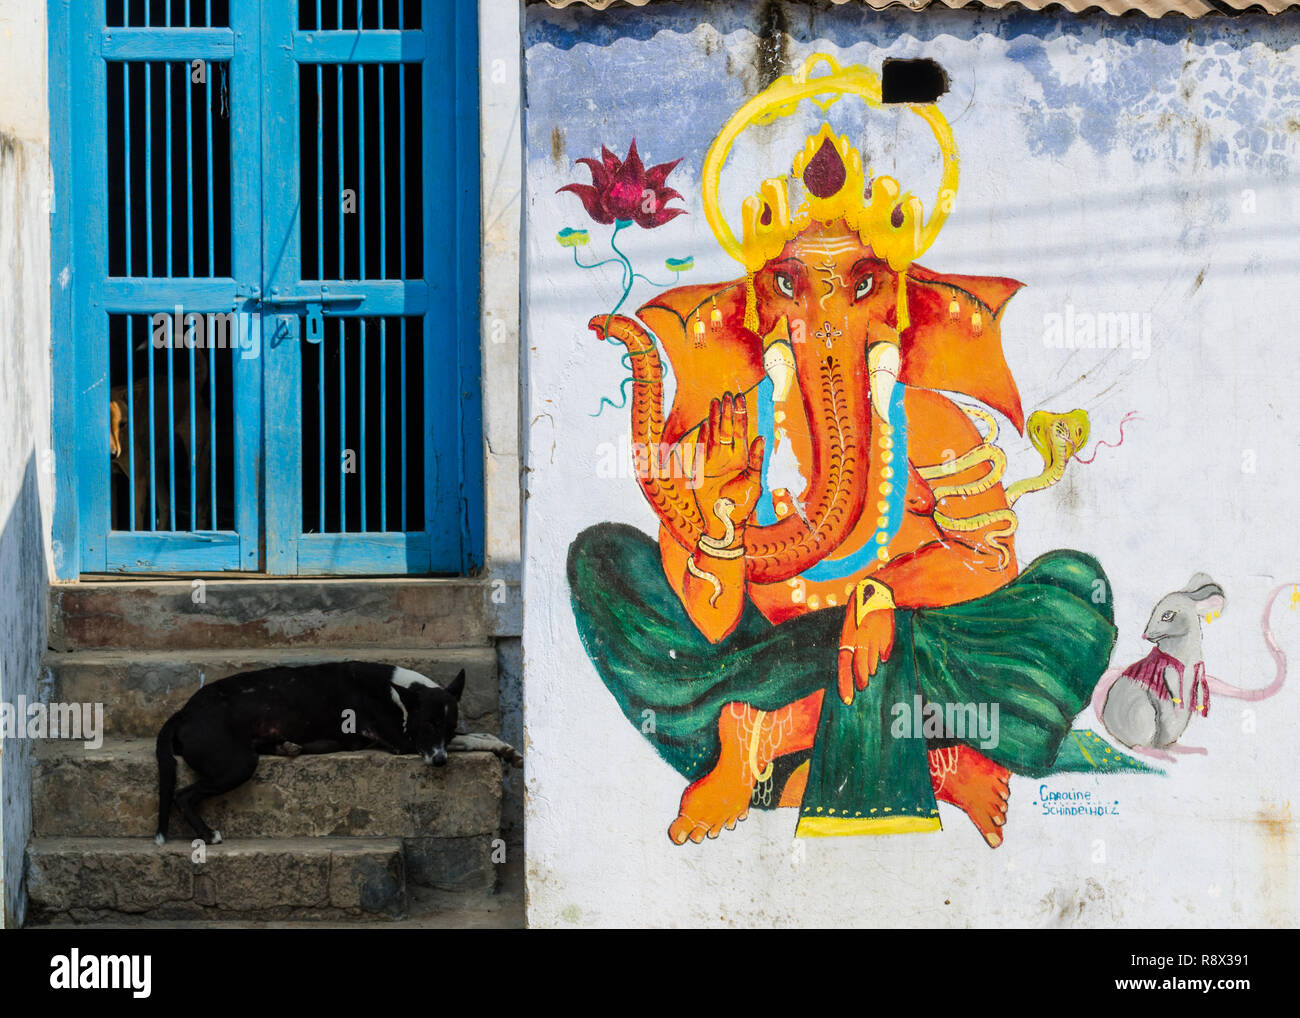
x=1148, y=705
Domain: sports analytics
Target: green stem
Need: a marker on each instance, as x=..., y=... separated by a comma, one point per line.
x=594, y=265
x=629, y=277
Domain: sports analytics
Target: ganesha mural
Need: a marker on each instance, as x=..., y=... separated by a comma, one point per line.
x=836, y=546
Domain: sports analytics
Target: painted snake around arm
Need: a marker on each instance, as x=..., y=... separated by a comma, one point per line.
x=1057, y=437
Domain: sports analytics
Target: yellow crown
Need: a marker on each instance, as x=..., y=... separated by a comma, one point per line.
x=827, y=176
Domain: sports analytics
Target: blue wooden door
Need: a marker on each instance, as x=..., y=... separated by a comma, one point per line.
x=165, y=136
x=276, y=275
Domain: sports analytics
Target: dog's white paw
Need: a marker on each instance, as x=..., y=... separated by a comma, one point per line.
x=159, y=839
x=216, y=837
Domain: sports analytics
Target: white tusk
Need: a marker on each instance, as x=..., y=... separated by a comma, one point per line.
x=778, y=362
x=882, y=366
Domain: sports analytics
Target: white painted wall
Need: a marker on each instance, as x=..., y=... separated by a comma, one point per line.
x=26, y=467
x=1110, y=164
x=501, y=171
x=499, y=86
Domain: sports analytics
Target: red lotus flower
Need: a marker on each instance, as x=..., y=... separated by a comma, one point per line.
x=626, y=190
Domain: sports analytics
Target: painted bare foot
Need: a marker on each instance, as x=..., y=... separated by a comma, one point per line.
x=1188, y=750
x=975, y=784
x=721, y=798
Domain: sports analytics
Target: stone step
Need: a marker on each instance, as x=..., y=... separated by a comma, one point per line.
x=93, y=879
x=496, y=908
x=179, y=614
x=446, y=817
x=140, y=691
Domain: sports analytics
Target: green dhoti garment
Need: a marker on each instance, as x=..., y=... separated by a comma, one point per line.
x=1033, y=649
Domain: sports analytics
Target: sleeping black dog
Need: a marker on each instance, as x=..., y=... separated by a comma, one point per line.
x=309, y=709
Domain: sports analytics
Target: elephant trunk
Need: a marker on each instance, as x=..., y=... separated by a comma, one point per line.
x=837, y=401
x=660, y=482
x=837, y=394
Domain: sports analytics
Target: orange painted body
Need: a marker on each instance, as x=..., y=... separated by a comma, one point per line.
x=829, y=299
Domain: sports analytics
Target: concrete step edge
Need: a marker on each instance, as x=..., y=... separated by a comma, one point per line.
x=165, y=581
x=288, y=655
x=113, y=792
x=132, y=747
x=87, y=878
x=136, y=614
x=235, y=846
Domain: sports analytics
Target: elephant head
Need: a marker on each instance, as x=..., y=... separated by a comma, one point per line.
x=829, y=334
x=836, y=313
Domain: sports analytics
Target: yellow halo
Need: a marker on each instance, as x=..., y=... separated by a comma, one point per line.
x=900, y=244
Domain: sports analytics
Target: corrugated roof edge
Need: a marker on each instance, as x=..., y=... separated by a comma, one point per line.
x=1151, y=8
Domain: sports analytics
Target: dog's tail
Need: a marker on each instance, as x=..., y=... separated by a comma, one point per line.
x=165, y=750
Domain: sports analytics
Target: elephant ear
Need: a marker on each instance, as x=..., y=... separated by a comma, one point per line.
x=728, y=359
x=960, y=349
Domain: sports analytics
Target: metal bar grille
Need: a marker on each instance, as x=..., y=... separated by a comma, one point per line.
x=169, y=164
x=358, y=14
x=360, y=141
x=172, y=458
x=355, y=165
x=168, y=138
x=165, y=13
x=353, y=479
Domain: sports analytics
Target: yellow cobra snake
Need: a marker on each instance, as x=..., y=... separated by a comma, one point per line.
x=1057, y=437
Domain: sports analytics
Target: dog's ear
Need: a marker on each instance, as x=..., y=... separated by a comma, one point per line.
x=457, y=685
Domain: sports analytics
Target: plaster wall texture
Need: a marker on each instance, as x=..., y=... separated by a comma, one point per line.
x=1114, y=166
x=501, y=173
x=26, y=465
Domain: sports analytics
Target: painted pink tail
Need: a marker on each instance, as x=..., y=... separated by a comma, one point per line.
x=1273, y=688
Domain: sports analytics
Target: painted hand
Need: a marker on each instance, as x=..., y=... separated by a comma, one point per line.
x=865, y=644
x=732, y=467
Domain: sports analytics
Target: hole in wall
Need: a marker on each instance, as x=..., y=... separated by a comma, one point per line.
x=912, y=81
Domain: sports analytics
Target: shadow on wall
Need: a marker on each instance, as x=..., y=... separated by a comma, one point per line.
x=23, y=598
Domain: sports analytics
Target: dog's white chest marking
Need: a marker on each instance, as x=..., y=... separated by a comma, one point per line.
x=400, y=706
x=405, y=678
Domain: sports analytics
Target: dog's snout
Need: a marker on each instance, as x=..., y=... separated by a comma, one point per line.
x=437, y=758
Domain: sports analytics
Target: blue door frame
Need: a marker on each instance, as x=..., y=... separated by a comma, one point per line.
x=295, y=324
